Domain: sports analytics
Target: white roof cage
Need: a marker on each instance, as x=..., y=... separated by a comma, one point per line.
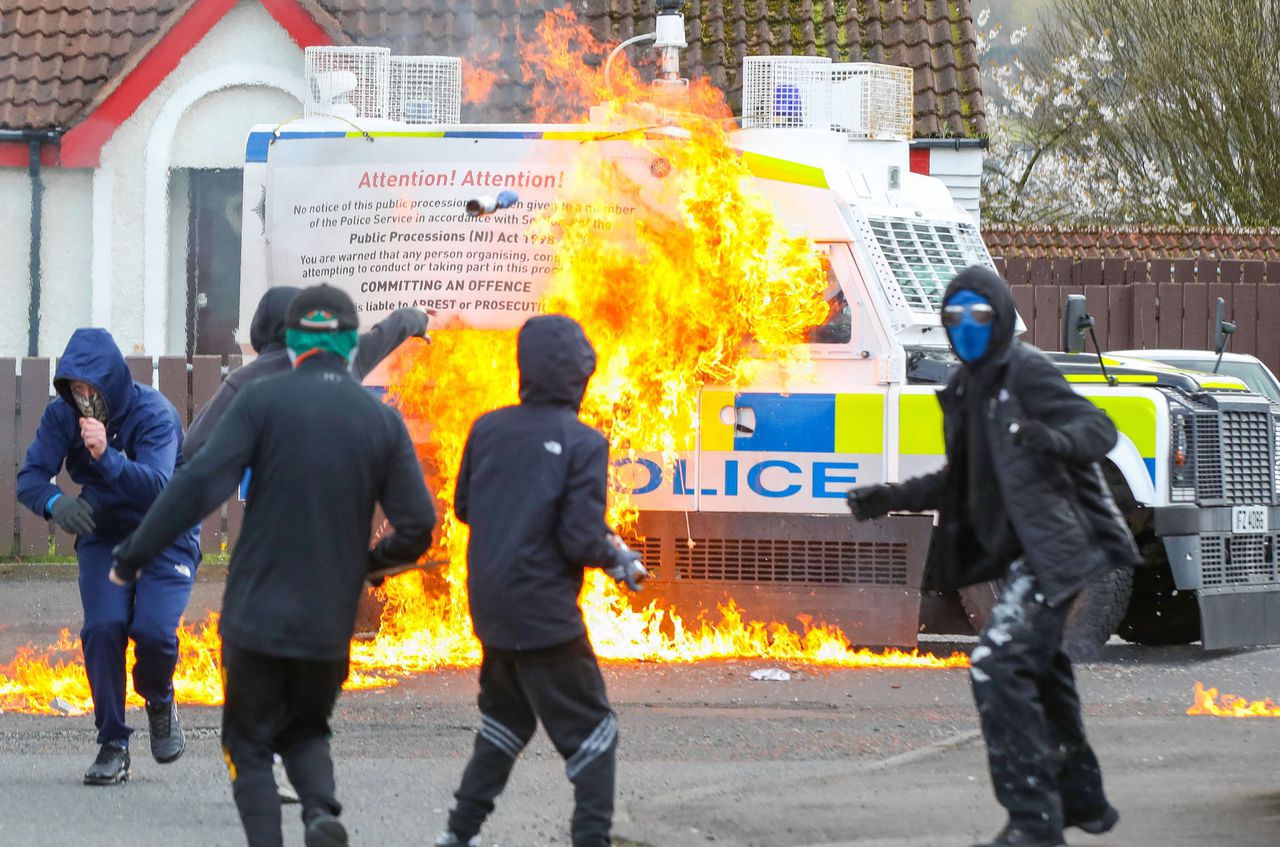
x=871, y=100
x=425, y=89
x=347, y=82
x=859, y=99
x=792, y=92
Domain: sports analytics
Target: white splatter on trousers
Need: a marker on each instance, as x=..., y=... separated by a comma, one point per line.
x=1042, y=768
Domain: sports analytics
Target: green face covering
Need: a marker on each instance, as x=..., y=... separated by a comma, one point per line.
x=301, y=342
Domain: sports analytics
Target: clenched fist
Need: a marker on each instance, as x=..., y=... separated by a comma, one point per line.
x=94, y=434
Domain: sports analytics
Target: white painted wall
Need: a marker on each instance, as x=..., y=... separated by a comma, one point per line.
x=961, y=171
x=65, y=252
x=66, y=255
x=114, y=249
x=245, y=71
x=15, y=228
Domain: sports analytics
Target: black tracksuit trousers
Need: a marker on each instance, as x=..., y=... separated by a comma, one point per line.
x=561, y=687
x=277, y=705
x=1042, y=766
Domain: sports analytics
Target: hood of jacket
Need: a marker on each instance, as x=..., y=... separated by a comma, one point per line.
x=267, y=326
x=991, y=287
x=556, y=360
x=92, y=356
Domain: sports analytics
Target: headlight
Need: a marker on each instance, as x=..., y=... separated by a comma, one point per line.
x=1182, y=464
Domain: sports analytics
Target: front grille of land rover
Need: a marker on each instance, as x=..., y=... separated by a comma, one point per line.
x=1248, y=474
x=792, y=561
x=1237, y=559
x=1207, y=438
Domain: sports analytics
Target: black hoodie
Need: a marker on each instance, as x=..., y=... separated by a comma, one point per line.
x=532, y=487
x=266, y=334
x=996, y=499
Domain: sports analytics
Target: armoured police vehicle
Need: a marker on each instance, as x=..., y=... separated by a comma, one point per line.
x=755, y=510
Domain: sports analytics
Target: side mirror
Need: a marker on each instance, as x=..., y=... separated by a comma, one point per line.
x=1075, y=320
x=1224, y=328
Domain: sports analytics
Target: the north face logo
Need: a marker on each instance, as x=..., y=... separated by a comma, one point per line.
x=552, y=447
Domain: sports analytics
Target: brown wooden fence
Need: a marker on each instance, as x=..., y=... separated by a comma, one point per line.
x=23, y=398
x=1146, y=303
x=1136, y=303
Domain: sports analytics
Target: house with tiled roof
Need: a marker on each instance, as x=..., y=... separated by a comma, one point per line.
x=123, y=122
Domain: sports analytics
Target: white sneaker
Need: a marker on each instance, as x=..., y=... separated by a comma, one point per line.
x=284, y=788
x=448, y=839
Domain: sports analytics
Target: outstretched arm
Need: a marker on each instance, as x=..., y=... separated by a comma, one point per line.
x=197, y=489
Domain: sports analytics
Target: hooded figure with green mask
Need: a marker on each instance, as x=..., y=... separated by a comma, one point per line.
x=324, y=453
x=1020, y=499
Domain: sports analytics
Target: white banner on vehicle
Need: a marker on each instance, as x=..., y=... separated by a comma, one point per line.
x=386, y=221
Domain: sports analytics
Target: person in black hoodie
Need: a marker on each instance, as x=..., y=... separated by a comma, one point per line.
x=323, y=452
x=266, y=334
x=1022, y=498
x=532, y=487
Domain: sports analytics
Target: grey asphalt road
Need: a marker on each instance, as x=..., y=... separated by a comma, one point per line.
x=708, y=756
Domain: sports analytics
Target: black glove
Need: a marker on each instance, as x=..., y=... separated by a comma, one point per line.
x=72, y=514
x=869, y=502
x=421, y=333
x=121, y=567
x=1041, y=438
x=382, y=566
x=626, y=566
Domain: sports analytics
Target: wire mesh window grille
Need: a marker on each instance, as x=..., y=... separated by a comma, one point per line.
x=425, y=90
x=924, y=255
x=347, y=82
x=786, y=91
x=871, y=100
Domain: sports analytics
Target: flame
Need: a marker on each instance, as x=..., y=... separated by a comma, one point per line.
x=478, y=77
x=700, y=285
x=1207, y=701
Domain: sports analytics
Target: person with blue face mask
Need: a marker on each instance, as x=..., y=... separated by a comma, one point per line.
x=1020, y=499
x=968, y=318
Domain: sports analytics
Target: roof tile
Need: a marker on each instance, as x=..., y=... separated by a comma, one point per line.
x=75, y=49
x=56, y=55
x=1009, y=241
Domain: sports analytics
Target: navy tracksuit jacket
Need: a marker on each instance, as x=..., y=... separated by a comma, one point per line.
x=144, y=441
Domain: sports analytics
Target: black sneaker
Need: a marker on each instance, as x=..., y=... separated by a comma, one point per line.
x=1012, y=836
x=1095, y=824
x=111, y=766
x=167, y=740
x=325, y=831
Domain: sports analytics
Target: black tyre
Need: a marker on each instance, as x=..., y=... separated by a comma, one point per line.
x=1159, y=615
x=1094, y=617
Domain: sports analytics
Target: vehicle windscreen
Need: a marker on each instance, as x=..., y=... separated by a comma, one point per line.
x=1252, y=375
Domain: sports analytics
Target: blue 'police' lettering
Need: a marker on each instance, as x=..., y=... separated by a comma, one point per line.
x=755, y=483
x=823, y=477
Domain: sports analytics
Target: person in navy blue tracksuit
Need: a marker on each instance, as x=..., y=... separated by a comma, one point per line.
x=120, y=442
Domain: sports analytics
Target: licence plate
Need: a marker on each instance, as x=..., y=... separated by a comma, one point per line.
x=1249, y=519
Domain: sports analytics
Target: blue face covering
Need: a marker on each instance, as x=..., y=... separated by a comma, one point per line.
x=970, y=339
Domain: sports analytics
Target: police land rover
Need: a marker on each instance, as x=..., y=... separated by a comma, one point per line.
x=754, y=509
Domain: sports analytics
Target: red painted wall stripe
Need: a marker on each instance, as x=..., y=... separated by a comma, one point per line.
x=295, y=20
x=16, y=154
x=920, y=160
x=82, y=144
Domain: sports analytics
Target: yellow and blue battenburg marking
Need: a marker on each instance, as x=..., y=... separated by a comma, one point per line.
x=795, y=423
x=920, y=424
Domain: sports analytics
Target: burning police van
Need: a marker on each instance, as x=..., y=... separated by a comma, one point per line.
x=402, y=205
